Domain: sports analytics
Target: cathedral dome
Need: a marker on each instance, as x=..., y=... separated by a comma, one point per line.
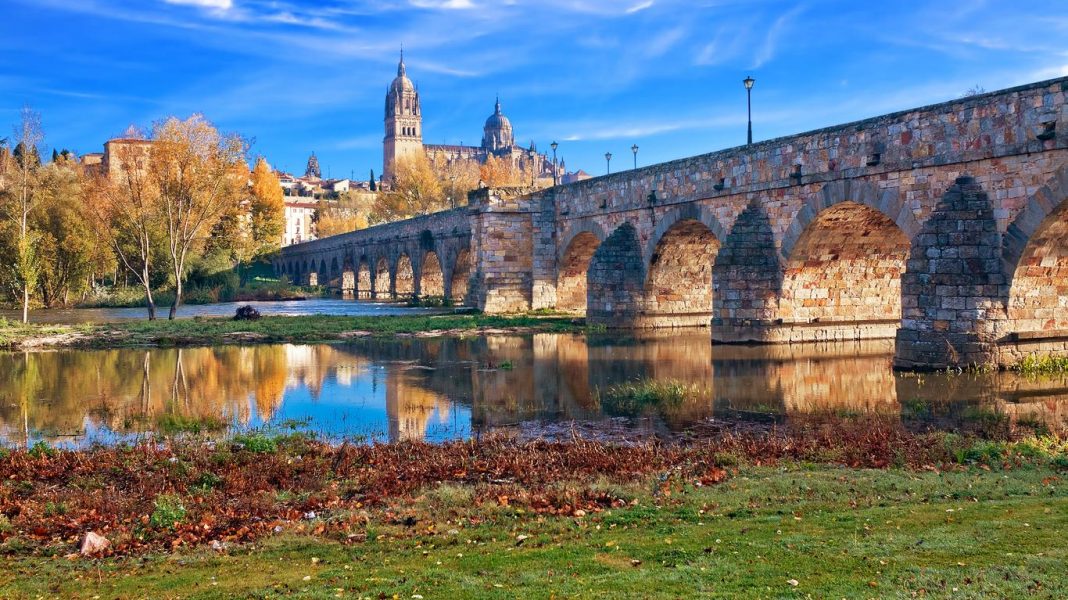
x=401, y=82
x=497, y=133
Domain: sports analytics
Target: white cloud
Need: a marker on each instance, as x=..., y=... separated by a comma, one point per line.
x=640, y=7
x=449, y=4
x=771, y=41
x=222, y=5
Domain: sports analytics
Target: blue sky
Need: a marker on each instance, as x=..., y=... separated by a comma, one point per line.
x=596, y=75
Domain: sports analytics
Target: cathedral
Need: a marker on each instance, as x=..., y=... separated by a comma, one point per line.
x=404, y=137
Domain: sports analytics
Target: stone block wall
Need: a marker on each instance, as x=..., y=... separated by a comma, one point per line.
x=954, y=284
x=502, y=249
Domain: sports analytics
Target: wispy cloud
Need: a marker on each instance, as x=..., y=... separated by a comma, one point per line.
x=772, y=38
x=639, y=7
x=213, y=4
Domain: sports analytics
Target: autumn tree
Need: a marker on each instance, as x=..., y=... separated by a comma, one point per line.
x=18, y=179
x=499, y=172
x=351, y=211
x=125, y=210
x=67, y=250
x=458, y=177
x=197, y=172
x=416, y=191
x=267, y=208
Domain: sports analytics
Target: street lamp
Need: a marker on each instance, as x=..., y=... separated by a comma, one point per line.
x=554, y=146
x=608, y=162
x=748, y=82
x=531, y=154
x=634, y=149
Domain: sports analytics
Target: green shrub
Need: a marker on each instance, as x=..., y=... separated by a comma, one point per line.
x=256, y=442
x=42, y=449
x=167, y=511
x=207, y=481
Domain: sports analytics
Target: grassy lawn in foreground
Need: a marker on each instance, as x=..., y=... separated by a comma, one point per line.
x=267, y=329
x=794, y=531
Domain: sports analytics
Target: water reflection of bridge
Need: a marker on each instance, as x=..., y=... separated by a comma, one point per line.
x=562, y=377
x=501, y=379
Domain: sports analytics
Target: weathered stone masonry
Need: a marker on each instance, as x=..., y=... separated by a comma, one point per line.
x=945, y=226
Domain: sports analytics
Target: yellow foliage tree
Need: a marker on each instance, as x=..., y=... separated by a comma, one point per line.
x=267, y=208
x=125, y=211
x=417, y=190
x=198, y=173
x=458, y=177
x=349, y=212
x=499, y=172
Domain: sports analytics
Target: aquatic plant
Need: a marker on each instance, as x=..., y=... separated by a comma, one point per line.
x=633, y=398
x=1043, y=365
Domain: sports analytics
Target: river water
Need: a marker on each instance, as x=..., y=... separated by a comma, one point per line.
x=313, y=306
x=446, y=388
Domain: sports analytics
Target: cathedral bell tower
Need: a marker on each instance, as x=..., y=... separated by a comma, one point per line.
x=404, y=122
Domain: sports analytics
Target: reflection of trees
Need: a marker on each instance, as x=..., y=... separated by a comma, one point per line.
x=57, y=393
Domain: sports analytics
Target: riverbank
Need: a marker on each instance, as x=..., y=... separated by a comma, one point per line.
x=868, y=508
x=272, y=329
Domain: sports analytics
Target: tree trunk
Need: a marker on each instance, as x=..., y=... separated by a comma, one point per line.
x=25, y=303
x=149, y=302
x=177, y=298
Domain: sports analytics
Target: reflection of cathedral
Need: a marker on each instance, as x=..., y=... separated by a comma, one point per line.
x=404, y=136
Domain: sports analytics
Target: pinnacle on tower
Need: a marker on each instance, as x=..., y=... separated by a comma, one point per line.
x=313, y=167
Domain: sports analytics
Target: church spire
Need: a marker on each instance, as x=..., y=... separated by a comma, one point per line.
x=497, y=105
x=400, y=65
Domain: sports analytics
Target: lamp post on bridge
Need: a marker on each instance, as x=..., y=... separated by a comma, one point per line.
x=554, y=146
x=748, y=83
x=608, y=162
x=634, y=149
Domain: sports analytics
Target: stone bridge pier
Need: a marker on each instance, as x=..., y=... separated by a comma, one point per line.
x=944, y=228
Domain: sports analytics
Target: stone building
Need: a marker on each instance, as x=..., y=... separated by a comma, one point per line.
x=404, y=136
x=117, y=152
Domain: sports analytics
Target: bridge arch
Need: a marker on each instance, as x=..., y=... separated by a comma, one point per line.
x=888, y=201
x=348, y=274
x=381, y=289
x=403, y=277
x=431, y=279
x=573, y=265
x=843, y=257
x=679, y=257
x=1035, y=260
x=363, y=278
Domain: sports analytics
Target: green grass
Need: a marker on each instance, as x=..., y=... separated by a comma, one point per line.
x=256, y=289
x=317, y=328
x=1043, y=365
x=836, y=532
x=175, y=424
x=635, y=397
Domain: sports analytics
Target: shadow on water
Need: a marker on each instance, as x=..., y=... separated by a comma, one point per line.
x=446, y=388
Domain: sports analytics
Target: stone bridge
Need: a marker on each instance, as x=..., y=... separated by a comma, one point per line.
x=944, y=226
x=427, y=256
